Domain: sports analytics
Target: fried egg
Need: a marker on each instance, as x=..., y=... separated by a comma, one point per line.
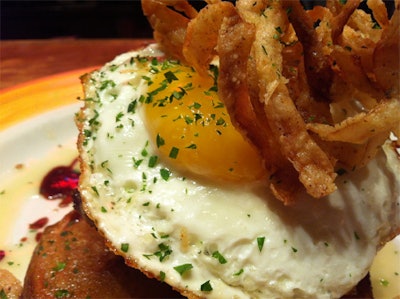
x=179, y=193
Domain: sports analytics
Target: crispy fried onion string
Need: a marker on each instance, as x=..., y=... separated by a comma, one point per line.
x=313, y=90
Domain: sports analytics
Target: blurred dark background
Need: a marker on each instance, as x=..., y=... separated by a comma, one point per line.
x=25, y=19
x=32, y=19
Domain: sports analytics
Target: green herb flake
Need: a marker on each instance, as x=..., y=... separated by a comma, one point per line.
x=87, y=133
x=59, y=267
x=189, y=120
x=206, y=287
x=61, y=293
x=192, y=146
x=136, y=162
x=181, y=269
x=144, y=152
x=260, y=243
x=220, y=122
x=219, y=257
x=238, y=272
x=95, y=190
x=153, y=161
x=107, y=83
x=164, y=251
x=113, y=67
x=178, y=94
x=3, y=294
x=132, y=107
x=174, y=152
x=162, y=275
x=196, y=105
x=159, y=141
x=125, y=247
x=119, y=116
x=170, y=76
x=384, y=282
x=165, y=174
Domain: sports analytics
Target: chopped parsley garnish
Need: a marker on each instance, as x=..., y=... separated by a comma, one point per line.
x=132, y=107
x=136, y=162
x=162, y=275
x=260, y=243
x=219, y=257
x=221, y=122
x=59, y=267
x=192, y=146
x=195, y=105
x=189, y=120
x=164, y=251
x=238, y=272
x=107, y=83
x=170, y=76
x=165, y=174
x=206, y=287
x=160, y=141
x=174, y=152
x=125, y=247
x=61, y=293
x=95, y=190
x=119, y=116
x=152, y=161
x=181, y=269
x=144, y=152
x=384, y=282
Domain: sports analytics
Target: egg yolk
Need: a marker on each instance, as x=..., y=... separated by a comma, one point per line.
x=191, y=128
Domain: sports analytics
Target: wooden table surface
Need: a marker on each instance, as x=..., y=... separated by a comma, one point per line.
x=25, y=60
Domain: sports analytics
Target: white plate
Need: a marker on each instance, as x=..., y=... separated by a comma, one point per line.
x=28, y=151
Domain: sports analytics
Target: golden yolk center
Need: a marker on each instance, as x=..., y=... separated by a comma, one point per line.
x=190, y=127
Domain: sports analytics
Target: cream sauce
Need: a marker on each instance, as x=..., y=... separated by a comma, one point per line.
x=385, y=271
x=21, y=205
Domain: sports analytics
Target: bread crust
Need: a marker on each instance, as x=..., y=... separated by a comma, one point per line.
x=72, y=259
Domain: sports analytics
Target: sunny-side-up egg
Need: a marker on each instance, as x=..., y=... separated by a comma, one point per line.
x=178, y=192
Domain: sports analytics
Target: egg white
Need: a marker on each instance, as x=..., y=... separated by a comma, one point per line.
x=234, y=240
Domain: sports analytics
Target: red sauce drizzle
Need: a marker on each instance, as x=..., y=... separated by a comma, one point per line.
x=38, y=236
x=2, y=254
x=59, y=183
x=40, y=223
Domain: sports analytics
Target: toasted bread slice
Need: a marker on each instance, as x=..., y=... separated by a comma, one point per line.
x=10, y=286
x=72, y=260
